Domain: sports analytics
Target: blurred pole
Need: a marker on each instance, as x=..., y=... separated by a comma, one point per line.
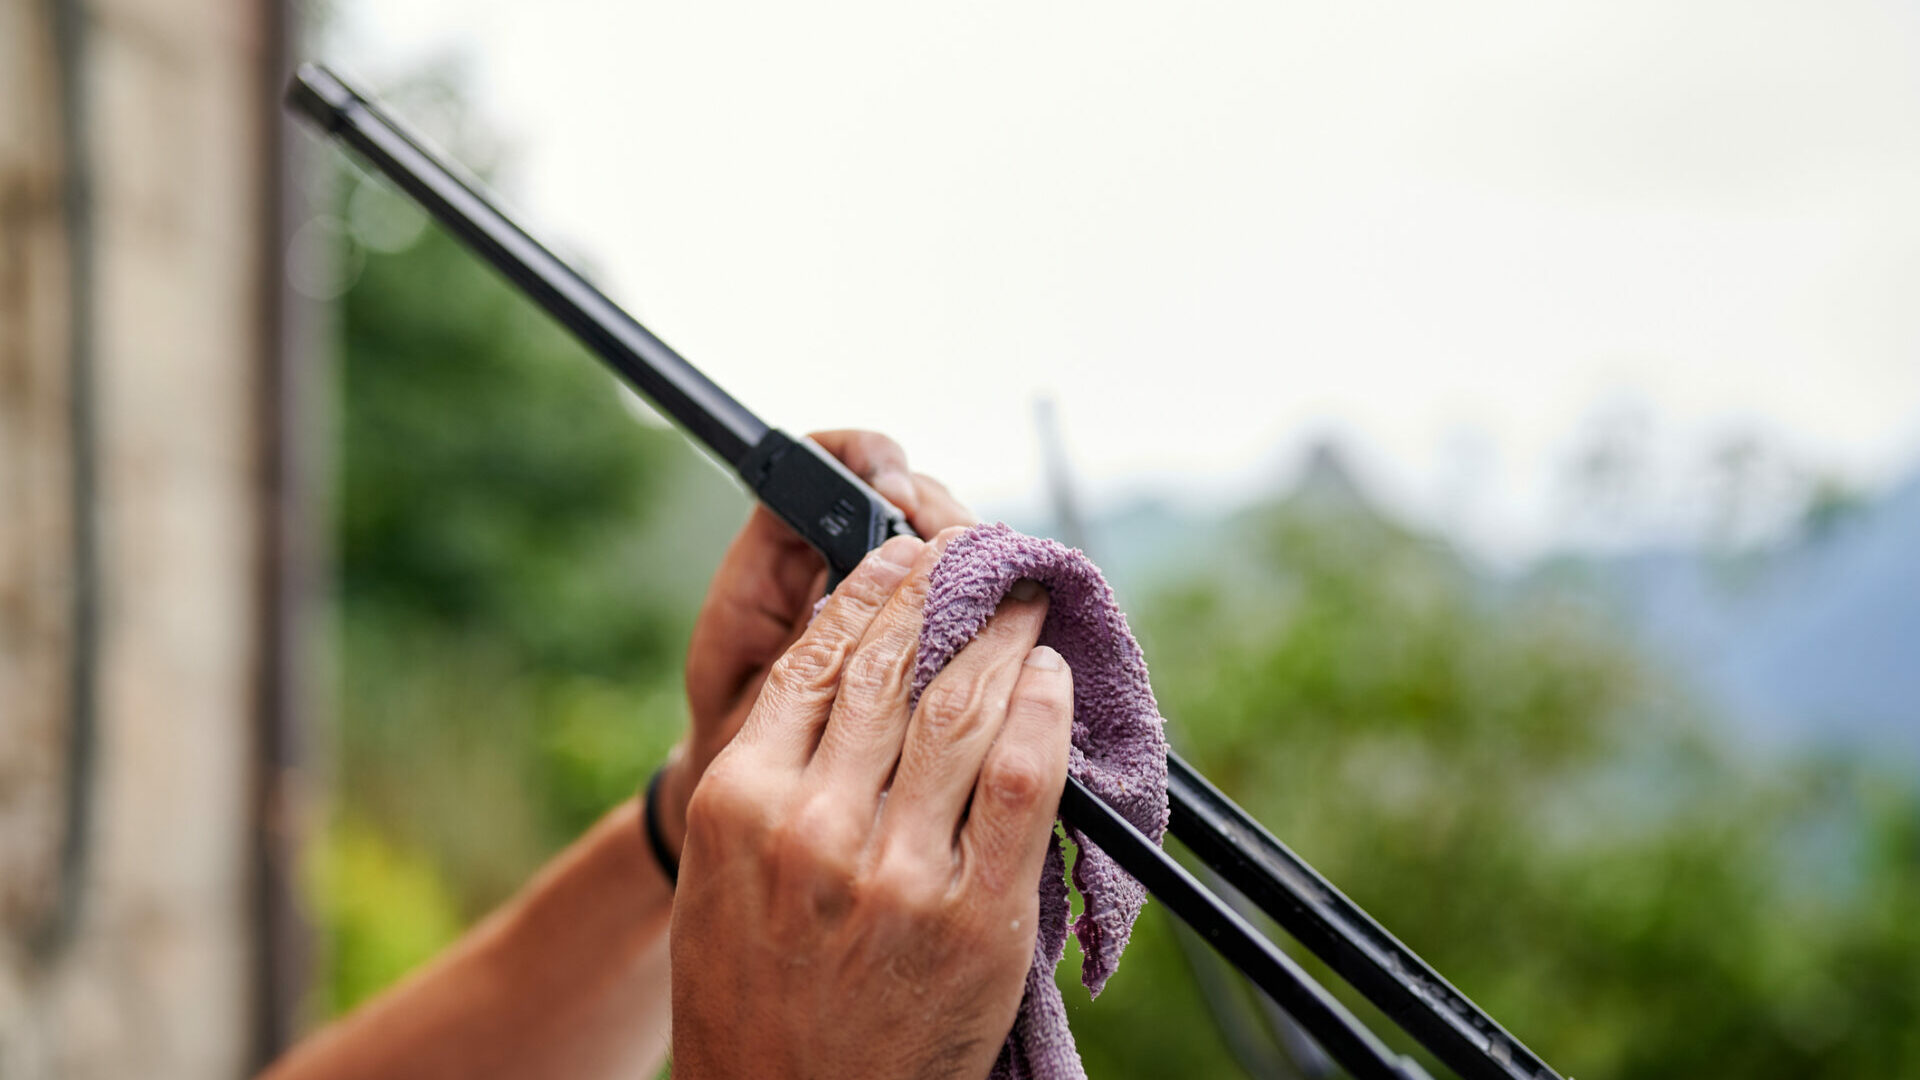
x=1305, y=1058
x=46, y=660
x=1069, y=527
x=292, y=390
x=83, y=480
x=1225, y=993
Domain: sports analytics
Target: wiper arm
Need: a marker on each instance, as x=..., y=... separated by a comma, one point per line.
x=807, y=487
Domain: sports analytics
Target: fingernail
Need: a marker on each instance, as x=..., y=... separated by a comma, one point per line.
x=1045, y=659
x=1025, y=590
x=897, y=486
x=900, y=552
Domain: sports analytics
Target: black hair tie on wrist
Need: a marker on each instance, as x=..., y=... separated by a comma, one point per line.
x=655, y=839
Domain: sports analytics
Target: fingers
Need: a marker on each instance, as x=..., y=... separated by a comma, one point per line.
x=868, y=723
x=959, y=714
x=770, y=579
x=801, y=686
x=761, y=591
x=935, y=508
x=1017, y=797
x=880, y=462
x=766, y=583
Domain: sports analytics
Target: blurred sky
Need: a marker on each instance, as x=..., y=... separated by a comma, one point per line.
x=1456, y=237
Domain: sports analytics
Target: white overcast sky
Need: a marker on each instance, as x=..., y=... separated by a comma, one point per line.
x=1449, y=235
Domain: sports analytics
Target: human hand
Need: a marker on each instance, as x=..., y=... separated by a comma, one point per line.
x=858, y=892
x=759, y=601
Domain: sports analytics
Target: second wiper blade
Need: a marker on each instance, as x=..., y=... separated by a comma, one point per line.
x=1336, y=930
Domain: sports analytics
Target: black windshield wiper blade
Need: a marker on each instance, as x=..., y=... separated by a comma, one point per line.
x=807, y=487
x=1335, y=929
x=844, y=518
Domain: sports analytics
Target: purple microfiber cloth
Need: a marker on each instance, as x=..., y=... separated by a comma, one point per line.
x=1119, y=751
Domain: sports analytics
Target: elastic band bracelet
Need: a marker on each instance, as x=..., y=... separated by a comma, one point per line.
x=655, y=839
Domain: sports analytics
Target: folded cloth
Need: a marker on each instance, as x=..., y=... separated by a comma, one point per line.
x=1119, y=751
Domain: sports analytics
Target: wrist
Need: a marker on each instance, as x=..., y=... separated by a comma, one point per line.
x=602, y=895
x=669, y=809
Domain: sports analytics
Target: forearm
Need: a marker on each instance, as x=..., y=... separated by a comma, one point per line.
x=569, y=979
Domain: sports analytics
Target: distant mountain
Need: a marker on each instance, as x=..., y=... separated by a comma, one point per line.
x=1148, y=541
x=1813, y=643
x=1817, y=642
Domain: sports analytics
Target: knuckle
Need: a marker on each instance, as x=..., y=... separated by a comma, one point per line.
x=867, y=676
x=808, y=830
x=851, y=608
x=814, y=823
x=811, y=664
x=946, y=704
x=807, y=843
x=912, y=592
x=904, y=885
x=1051, y=701
x=874, y=671
x=725, y=802
x=1015, y=779
x=860, y=590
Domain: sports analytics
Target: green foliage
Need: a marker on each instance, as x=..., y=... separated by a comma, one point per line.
x=518, y=561
x=491, y=479
x=1498, y=779
x=385, y=910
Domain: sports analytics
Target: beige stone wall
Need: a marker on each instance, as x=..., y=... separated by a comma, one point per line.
x=156, y=978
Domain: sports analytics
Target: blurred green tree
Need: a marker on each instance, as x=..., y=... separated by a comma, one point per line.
x=1500, y=779
x=519, y=560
